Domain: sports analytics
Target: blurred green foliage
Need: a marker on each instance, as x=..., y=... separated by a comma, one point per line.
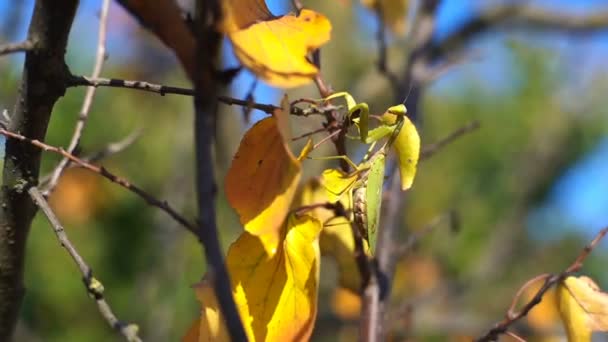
x=492, y=178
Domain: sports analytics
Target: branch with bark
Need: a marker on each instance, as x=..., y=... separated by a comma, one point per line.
x=94, y=287
x=43, y=82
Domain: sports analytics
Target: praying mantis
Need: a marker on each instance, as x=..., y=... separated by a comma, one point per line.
x=365, y=184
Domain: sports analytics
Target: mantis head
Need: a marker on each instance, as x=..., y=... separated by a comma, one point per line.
x=399, y=110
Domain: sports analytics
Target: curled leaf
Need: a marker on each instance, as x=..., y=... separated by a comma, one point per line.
x=262, y=180
x=583, y=307
x=275, y=48
x=407, y=145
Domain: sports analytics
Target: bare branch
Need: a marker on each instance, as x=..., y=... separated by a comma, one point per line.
x=519, y=14
x=430, y=150
x=207, y=87
x=108, y=150
x=382, y=47
x=550, y=280
x=151, y=200
x=164, y=89
x=375, y=307
x=23, y=46
x=94, y=287
x=43, y=82
x=88, y=98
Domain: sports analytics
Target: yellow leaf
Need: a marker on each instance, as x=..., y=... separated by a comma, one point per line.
x=545, y=314
x=336, y=240
x=276, y=293
x=262, y=181
x=583, y=307
x=279, y=291
x=407, y=145
x=337, y=183
x=394, y=13
x=211, y=326
x=275, y=48
x=282, y=117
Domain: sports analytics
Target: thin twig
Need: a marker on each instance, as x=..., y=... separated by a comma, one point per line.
x=151, y=200
x=429, y=150
x=94, y=287
x=108, y=150
x=162, y=90
x=23, y=46
x=88, y=98
x=382, y=47
x=424, y=231
x=551, y=280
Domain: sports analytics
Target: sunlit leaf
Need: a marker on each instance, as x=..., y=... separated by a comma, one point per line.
x=282, y=117
x=337, y=183
x=277, y=293
x=262, y=181
x=275, y=48
x=407, y=145
x=545, y=314
x=394, y=13
x=336, y=240
x=583, y=307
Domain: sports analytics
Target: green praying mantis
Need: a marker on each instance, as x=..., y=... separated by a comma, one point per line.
x=365, y=184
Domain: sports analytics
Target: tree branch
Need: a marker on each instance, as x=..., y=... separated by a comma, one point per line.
x=23, y=46
x=375, y=305
x=88, y=98
x=163, y=90
x=208, y=40
x=44, y=80
x=550, y=280
x=94, y=287
x=518, y=14
x=151, y=200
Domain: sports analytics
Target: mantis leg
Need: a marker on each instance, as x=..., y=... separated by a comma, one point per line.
x=345, y=158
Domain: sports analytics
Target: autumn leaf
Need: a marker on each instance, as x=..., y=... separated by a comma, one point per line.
x=164, y=18
x=275, y=48
x=276, y=293
x=407, y=146
x=394, y=13
x=336, y=240
x=262, y=180
x=583, y=307
x=337, y=183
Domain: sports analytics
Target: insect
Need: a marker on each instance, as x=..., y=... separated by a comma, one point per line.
x=365, y=184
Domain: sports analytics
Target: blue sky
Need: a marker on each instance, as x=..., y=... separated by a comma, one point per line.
x=579, y=200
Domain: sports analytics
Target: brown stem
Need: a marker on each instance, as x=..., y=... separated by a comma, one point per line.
x=93, y=286
x=208, y=40
x=151, y=200
x=44, y=80
x=88, y=98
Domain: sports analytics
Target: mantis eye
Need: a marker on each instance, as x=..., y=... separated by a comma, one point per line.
x=397, y=110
